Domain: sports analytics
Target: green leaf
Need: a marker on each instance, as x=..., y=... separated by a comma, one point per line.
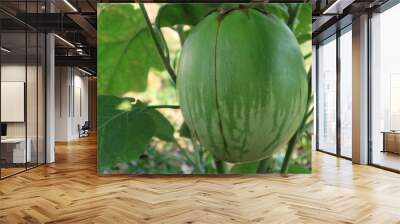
x=173, y=14
x=184, y=131
x=298, y=169
x=126, y=51
x=280, y=10
x=124, y=130
x=163, y=128
x=303, y=23
x=244, y=168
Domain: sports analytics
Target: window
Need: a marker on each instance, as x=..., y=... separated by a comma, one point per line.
x=327, y=96
x=385, y=89
x=22, y=77
x=346, y=93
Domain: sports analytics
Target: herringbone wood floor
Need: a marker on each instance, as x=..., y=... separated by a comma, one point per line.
x=69, y=191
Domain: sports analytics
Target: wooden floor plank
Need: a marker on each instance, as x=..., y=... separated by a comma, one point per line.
x=70, y=191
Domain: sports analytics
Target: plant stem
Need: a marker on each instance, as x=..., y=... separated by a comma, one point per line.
x=265, y=165
x=262, y=165
x=166, y=62
x=310, y=112
x=197, y=149
x=163, y=106
x=288, y=155
x=307, y=56
x=179, y=30
x=219, y=165
x=293, y=15
x=200, y=154
x=164, y=42
x=185, y=154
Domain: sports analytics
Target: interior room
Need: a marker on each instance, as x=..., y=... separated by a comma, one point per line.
x=22, y=99
x=331, y=111
x=72, y=107
x=334, y=83
x=49, y=135
x=385, y=89
x=27, y=59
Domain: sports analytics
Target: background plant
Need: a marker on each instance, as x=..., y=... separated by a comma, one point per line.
x=138, y=45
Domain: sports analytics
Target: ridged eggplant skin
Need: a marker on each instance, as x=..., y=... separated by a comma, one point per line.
x=242, y=84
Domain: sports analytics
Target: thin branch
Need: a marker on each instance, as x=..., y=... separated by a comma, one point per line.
x=262, y=165
x=164, y=42
x=290, y=148
x=307, y=56
x=220, y=166
x=179, y=30
x=166, y=63
x=164, y=106
x=310, y=112
x=185, y=154
x=197, y=149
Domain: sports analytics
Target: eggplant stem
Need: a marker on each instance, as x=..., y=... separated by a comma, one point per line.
x=219, y=165
x=165, y=61
x=163, y=106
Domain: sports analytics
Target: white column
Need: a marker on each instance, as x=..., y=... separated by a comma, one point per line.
x=360, y=90
x=50, y=92
x=50, y=100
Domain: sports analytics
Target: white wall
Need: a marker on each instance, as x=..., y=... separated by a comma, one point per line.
x=80, y=110
x=71, y=102
x=12, y=101
x=62, y=81
x=33, y=126
x=16, y=73
x=12, y=73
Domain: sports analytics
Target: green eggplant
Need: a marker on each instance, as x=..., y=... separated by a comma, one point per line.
x=242, y=84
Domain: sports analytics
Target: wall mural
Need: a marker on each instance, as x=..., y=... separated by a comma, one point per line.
x=204, y=88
